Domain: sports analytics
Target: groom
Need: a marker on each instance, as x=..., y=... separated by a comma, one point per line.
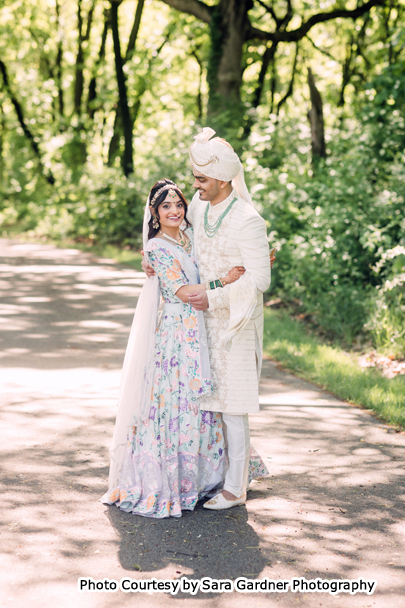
x=229, y=232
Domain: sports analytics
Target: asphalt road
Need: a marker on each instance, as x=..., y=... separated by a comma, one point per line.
x=332, y=507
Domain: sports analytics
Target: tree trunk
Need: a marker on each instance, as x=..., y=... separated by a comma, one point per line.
x=228, y=27
x=58, y=65
x=114, y=147
x=24, y=126
x=135, y=30
x=199, y=94
x=127, y=158
x=79, y=67
x=61, y=101
x=78, y=90
x=2, y=132
x=347, y=72
x=92, y=95
x=273, y=84
x=315, y=116
x=290, y=89
x=268, y=57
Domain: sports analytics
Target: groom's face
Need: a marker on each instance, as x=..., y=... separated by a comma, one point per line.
x=208, y=188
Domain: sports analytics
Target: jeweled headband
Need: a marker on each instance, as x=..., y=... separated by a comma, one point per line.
x=172, y=188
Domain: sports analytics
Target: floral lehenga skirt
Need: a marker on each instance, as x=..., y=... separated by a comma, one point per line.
x=177, y=455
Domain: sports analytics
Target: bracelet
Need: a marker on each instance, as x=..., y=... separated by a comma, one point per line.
x=214, y=284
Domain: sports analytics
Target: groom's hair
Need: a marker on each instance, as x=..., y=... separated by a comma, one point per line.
x=159, y=200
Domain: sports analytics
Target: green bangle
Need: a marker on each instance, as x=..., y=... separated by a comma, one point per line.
x=215, y=284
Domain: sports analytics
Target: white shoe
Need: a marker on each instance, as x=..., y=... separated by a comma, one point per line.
x=219, y=502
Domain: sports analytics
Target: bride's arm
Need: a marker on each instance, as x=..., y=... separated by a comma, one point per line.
x=188, y=290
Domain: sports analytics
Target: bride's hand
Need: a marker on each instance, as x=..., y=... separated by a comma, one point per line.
x=146, y=267
x=233, y=275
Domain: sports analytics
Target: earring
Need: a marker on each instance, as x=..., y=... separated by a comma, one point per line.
x=155, y=222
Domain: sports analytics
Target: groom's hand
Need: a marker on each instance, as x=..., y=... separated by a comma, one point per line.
x=199, y=301
x=146, y=267
x=273, y=256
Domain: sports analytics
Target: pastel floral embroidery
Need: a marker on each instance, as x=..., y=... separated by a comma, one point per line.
x=151, y=501
x=183, y=405
x=179, y=336
x=115, y=494
x=174, y=424
x=186, y=485
x=183, y=438
x=194, y=408
x=191, y=353
x=207, y=418
x=173, y=275
x=195, y=384
x=176, y=266
x=190, y=322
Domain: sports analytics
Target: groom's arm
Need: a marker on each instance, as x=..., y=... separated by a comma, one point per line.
x=254, y=249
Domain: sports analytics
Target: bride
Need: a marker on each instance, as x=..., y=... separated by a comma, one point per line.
x=166, y=452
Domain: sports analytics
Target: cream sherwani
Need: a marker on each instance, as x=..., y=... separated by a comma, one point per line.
x=240, y=241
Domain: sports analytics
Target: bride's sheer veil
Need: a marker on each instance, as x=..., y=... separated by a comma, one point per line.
x=137, y=373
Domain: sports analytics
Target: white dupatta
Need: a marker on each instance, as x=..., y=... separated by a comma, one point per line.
x=137, y=371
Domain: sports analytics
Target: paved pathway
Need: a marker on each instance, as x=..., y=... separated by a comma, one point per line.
x=332, y=508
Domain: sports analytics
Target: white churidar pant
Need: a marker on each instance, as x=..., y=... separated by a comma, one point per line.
x=237, y=438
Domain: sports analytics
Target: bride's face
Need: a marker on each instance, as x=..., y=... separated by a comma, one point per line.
x=171, y=212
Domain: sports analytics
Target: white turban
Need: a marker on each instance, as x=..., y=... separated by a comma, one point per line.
x=215, y=158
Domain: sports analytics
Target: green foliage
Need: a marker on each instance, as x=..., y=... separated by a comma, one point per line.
x=384, y=114
x=387, y=322
x=346, y=225
x=217, y=41
x=104, y=208
x=334, y=226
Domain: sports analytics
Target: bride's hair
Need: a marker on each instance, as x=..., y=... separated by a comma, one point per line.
x=159, y=200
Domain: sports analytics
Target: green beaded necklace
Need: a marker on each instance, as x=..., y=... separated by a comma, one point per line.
x=211, y=231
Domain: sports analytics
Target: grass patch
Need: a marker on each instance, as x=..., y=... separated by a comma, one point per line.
x=294, y=346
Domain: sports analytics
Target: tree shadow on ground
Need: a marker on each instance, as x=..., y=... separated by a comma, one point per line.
x=64, y=309
x=332, y=514
x=331, y=508
x=219, y=545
